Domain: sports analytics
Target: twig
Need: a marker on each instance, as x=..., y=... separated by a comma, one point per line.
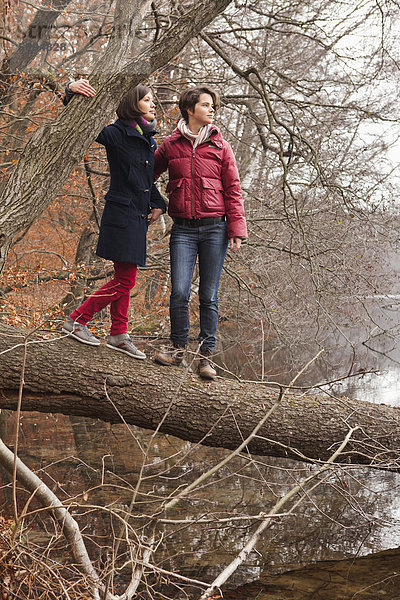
x=20, y=392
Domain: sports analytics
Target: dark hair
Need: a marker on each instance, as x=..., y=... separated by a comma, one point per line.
x=128, y=109
x=190, y=97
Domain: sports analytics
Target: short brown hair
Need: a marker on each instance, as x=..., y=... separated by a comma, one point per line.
x=128, y=109
x=190, y=97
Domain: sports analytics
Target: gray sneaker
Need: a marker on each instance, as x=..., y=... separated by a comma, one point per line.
x=80, y=332
x=123, y=343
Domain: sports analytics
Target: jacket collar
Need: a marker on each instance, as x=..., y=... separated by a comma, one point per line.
x=215, y=137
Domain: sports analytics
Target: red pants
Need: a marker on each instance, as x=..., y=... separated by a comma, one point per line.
x=116, y=293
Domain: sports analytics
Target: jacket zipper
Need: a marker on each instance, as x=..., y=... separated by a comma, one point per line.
x=193, y=198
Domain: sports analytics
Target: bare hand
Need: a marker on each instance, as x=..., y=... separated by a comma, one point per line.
x=83, y=87
x=155, y=214
x=235, y=243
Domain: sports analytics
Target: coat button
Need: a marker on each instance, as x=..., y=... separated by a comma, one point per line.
x=146, y=190
x=147, y=163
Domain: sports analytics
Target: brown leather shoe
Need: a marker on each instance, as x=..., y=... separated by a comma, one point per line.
x=206, y=370
x=172, y=356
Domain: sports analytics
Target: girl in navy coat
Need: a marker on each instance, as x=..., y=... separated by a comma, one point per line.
x=132, y=204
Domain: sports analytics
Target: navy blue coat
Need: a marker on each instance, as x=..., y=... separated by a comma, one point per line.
x=131, y=196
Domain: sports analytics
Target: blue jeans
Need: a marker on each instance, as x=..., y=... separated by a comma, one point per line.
x=210, y=243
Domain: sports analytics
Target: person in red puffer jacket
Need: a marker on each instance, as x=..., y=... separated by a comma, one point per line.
x=206, y=205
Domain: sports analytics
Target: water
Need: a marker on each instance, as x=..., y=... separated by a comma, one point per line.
x=353, y=514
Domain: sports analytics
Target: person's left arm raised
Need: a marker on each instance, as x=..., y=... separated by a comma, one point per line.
x=83, y=87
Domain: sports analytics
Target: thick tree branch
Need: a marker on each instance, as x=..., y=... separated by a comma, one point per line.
x=64, y=376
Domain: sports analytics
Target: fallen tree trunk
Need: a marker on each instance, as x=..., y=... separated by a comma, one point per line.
x=63, y=376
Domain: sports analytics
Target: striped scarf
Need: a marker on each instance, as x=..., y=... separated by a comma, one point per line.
x=202, y=136
x=145, y=127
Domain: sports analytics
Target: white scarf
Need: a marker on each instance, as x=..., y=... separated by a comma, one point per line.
x=202, y=136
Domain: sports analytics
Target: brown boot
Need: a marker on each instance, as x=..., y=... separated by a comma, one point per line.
x=171, y=356
x=206, y=370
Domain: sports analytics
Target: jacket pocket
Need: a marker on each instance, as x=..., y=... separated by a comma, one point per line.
x=117, y=210
x=212, y=194
x=176, y=190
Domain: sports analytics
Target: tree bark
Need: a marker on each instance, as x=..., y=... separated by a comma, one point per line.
x=63, y=376
x=55, y=149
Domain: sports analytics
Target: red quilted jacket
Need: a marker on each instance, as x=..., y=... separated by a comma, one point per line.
x=203, y=182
